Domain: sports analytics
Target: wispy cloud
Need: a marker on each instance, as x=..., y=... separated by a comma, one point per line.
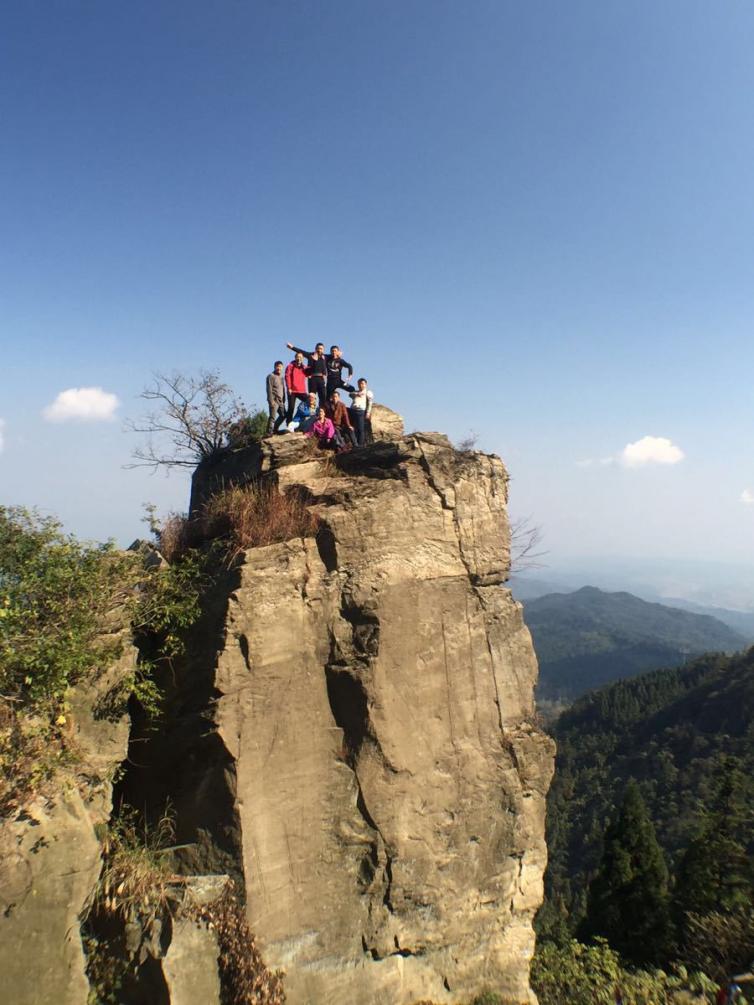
x=647, y=450
x=747, y=497
x=82, y=404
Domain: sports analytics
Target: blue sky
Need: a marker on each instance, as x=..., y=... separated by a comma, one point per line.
x=532, y=220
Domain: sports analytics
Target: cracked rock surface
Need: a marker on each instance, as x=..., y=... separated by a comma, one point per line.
x=373, y=695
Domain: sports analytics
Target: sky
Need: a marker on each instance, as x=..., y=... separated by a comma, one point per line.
x=530, y=221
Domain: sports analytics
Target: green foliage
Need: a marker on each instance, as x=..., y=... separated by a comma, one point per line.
x=55, y=594
x=628, y=899
x=677, y=732
x=715, y=872
x=248, y=429
x=64, y=608
x=588, y=638
x=577, y=974
x=720, y=944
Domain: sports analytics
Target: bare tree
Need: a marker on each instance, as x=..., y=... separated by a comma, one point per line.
x=526, y=541
x=189, y=421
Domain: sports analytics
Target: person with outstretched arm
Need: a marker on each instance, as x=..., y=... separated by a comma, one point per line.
x=295, y=383
x=361, y=410
x=317, y=369
x=275, y=398
x=335, y=367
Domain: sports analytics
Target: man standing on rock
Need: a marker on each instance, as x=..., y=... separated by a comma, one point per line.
x=361, y=409
x=295, y=382
x=335, y=367
x=316, y=371
x=275, y=398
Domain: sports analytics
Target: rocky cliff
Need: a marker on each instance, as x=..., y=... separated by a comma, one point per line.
x=351, y=734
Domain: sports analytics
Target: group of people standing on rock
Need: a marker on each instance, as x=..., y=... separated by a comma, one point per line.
x=309, y=396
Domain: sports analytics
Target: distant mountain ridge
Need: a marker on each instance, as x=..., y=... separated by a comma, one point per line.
x=588, y=638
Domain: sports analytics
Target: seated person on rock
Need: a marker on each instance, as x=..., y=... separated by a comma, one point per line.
x=337, y=411
x=306, y=413
x=295, y=383
x=335, y=367
x=275, y=398
x=317, y=369
x=361, y=410
x=325, y=431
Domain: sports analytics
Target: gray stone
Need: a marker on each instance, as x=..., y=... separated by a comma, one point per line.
x=190, y=965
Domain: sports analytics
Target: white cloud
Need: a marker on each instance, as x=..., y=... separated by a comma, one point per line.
x=84, y=404
x=650, y=450
x=747, y=496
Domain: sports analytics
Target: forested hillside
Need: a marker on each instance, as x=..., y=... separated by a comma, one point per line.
x=686, y=735
x=589, y=638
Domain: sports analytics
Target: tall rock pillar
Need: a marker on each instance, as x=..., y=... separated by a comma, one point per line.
x=374, y=694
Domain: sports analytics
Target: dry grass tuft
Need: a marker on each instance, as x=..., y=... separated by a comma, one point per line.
x=243, y=517
x=136, y=874
x=137, y=893
x=176, y=535
x=256, y=515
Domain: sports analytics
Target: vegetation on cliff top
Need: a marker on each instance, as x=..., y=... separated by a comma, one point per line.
x=65, y=608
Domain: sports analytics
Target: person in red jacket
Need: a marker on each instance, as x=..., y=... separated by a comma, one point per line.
x=316, y=371
x=295, y=383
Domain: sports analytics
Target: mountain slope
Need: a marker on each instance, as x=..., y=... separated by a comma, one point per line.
x=588, y=638
x=676, y=731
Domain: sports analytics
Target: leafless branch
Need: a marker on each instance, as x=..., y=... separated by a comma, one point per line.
x=526, y=541
x=189, y=421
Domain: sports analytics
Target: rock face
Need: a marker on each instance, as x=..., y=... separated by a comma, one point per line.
x=352, y=736
x=50, y=860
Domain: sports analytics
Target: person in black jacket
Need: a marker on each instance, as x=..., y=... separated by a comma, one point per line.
x=335, y=367
x=325, y=370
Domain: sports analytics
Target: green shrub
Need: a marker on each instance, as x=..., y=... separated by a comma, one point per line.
x=65, y=607
x=247, y=430
x=55, y=594
x=589, y=975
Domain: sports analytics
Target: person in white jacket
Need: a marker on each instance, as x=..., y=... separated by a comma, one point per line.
x=361, y=409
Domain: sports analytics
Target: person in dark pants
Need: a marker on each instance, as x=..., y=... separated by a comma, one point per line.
x=316, y=371
x=295, y=383
x=338, y=412
x=275, y=398
x=335, y=367
x=361, y=410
